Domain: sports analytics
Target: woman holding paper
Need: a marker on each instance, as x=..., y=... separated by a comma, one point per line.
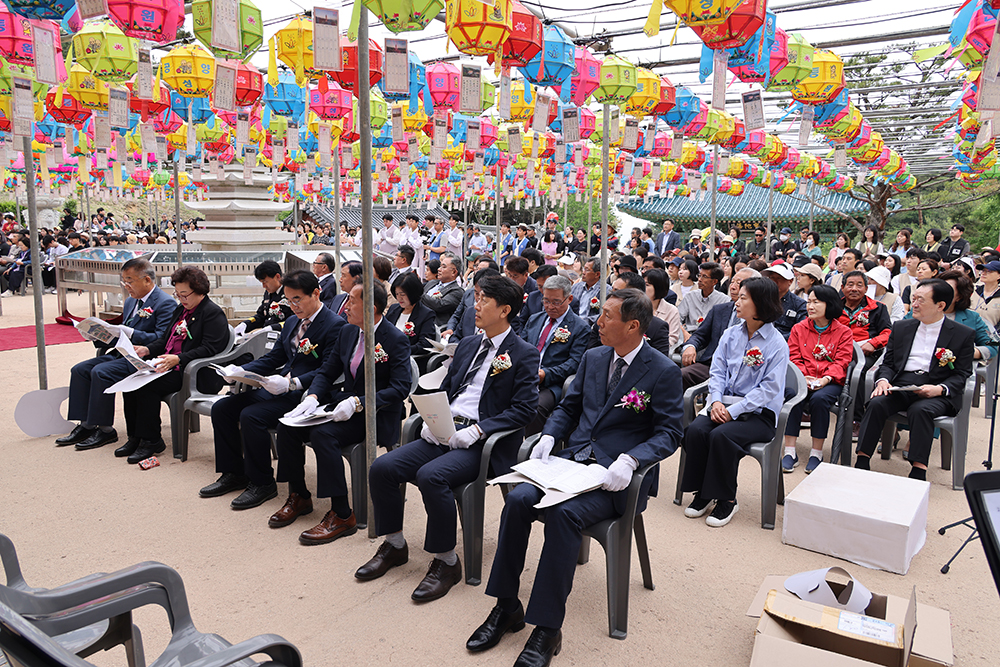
x=198, y=329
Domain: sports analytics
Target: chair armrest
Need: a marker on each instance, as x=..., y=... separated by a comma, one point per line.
x=277, y=648
x=525, y=451
x=689, y=397
x=189, y=387
x=436, y=360
x=411, y=428
x=634, y=486
x=800, y=394
x=491, y=442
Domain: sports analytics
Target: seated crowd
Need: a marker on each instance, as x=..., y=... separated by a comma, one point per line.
x=539, y=352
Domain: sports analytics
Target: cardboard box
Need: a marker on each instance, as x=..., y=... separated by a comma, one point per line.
x=868, y=518
x=892, y=632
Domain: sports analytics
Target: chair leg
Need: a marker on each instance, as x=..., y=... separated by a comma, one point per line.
x=679, y=494
x=473, y=513
x=847, y=444
x=640, y=545
x=990, y=390
x=946, y=448
x=273, y=435
x=888, y=435
x=618, y=554
x=960, y=441
x=178, y=428
x=781, y=490
x=770, y=476
x=195, y=425
x=359, y=484
x=583, y=557
x=133, y=649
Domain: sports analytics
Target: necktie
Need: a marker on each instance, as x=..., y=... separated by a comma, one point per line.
x=300, y=334
x=358, y=354
x=135, y=314
x=476, y=365
x=585, y=452
x=545, y=335
x=343, y=307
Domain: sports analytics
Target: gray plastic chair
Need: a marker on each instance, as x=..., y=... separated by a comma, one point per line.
x=768, y=454
x=471, y=499
x=841, y=448
x=986, y=375
x=183, y=422
x=615, y=536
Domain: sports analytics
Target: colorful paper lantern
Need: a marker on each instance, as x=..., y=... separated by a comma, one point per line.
x=249, y=84
x=585, y=79
x=443, y=85
x=15, y=39
x=91, y=92
x=348, y=77
x=646, y=96
x=555, y=62
x=69, y=110
x=286, y=98
x=251, y=28
x=477, y=28
x=152, y=20
x=525, y=39
x=55, y=10
x=106, y=52
x=189, y=70
x=617, y=81
x=147, y=108
x=824, y=82
x=702, y=12
x=334, y=103
x=9, y=70
x=399, y=16
x=736, y=29
x=520, y=108
x=799, y=54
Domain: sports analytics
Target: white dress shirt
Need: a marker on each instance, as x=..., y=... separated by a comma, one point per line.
x=924, y=345
x=629, y=358
x=552, y=331
x=466, y=404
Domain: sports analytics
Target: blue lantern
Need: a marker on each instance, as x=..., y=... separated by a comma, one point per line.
x=55, y=10
x=201, y=109
x=555, y=63
x=286, y=99
x=685, y=109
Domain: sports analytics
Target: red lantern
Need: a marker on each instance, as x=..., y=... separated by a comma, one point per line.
x=70, y=112
x=525, y=39
x=333, y=104
x=428, y=127
x=249, y=83
x=147, y=108
x=737, y=29
x=444, y=84
x=348, y=77
x=668, y=97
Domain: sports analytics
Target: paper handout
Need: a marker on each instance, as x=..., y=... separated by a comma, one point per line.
x=436, y=413
x=246, y=377
x=813, y=586
x=96, y=329
x=320, y=416
x=909, y=387
x=443, y=348
x=125, y=348
x=560, y=479
x=432, y=381
x=137, y=380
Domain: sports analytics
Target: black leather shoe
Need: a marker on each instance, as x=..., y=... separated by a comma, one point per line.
x=128, y=449
x=496, y=625
x=540, y=648
x=145, y=450
x=98, y=439
x=255, y=496
x=386, y=558
x=78, y=434
x=229, y=482
x=440, y=579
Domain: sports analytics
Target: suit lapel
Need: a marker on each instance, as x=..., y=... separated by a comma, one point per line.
x=504, y=349
x=463, y=368
x=908, y=338
x=632, y=375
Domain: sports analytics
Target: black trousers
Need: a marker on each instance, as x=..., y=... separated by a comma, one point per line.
x=713, y=452
x=546, y=404
x=327, y=440
x=142, y=406
x=87, y=381
x=819, y=401
x=240, y=423
x=861, y=400
x=694, y=374
x=920, y=414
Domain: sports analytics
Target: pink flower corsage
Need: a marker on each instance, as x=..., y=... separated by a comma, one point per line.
x=634, y=400
x=182, y=329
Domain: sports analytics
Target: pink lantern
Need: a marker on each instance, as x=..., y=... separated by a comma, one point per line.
x=488, y=133
x=15, y=38
x=586, y=77
x=662, y=144
x=588, y=123
x=153, y=20
x=167, y=122
x=695, y=126
x=334, y=103
x=980, y=32
x=755, y=142
x=444, y=83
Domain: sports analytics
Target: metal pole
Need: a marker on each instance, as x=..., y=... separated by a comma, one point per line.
x=156, y=214
x=336, y=220
x=364, y=123
x=590, y=216
x=770, y=219
x=36, y=263
x=605, y=177
x=177, y=211
x=715, y=194
x=499, y=199
x=810, y=193
x=86, y=196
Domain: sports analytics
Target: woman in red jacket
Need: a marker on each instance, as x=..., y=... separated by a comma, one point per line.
x=821, y=347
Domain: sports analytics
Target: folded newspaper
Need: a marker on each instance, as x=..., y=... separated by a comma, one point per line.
x=96, y=329
x=560, y=479
x=320, y=416
x=240, y=375
x=443, y=348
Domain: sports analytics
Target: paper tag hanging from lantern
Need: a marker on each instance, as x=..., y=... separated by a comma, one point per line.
x=720, y=63
x=396, y=71
x=571, y=124
x=630, y=141
x=514, y=141
x=860, y=180
x=91, y=9
x=249, y=162
x=43, y=43
x=143, y=87
x=614, y=133
x=541, y=116
x=196, y=172
x=23, y=101
x=577, y=158
x=840, y=156
x=242, y=128
x=472, y=132
x=477, y=162
x=723, y=165
x=278, y=151
x=226, y=26
x=412, y=148
x=753, y=110
x=503, y=106
x=988, y=85
x=224, y=92
x=292, y=137
x=471, y=98
x=119, y=147
x=102, y=131
x=984, y=136
x=803, y=184
x=102, y=158
x=324, y=146
x=560, y=155
x=118, y=107
x=396, y=114
x=649, y=137
x=404, y=164
x=161, y=149
x=677, y=147
x=440, y=132
x=326, y=40
x=806, y=125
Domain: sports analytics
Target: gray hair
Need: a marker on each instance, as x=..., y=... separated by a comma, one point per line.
x=455, y=260
x=141, y=266
x=560, y=283
x=753, y=273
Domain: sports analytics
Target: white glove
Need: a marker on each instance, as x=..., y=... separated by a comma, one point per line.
x=241, y=328
x=465, y=438
x=128, y=331
x=344, y=410
x=619, y=473
x=543, y=448
x=231, y=369
x=115, y=329
x=276, y=385
x=306, y=407
x=425, y=434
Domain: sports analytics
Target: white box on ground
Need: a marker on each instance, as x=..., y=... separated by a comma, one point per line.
x=869, y=518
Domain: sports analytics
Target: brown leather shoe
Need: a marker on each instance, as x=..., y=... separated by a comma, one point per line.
x=293, y=508
x=386, y=558
x=329, y=529
x=439, y=580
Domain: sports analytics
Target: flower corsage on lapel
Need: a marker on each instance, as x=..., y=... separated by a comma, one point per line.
x=275, y=309
x=945, y=357
x=634, y=400
x=409, y=330
x=181, y=329
x=501, y=362
x=306, y=347
x=146, y=312
x=753, y=357
x=820, y=353
x=861, y=318
x=380, y=354
x=595, y=303
x=561, y=335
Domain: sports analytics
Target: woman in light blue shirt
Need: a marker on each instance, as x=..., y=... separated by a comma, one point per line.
x=746, y=389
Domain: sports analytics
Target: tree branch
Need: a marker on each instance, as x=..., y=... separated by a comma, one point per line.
x=944, y=205
x=834, y=211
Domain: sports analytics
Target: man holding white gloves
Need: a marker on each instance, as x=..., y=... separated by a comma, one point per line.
x=240, y=422
x=393, y=377
x=492, y=385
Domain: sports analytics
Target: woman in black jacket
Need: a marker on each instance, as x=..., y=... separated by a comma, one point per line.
x=199, y=329
x=409, y=315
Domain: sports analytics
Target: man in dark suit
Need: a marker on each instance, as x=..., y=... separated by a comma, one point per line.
x=463, y=322
x=658, y=331
x=444, y=297
x=929, y=351
x=324, y=266
x=598, y=426
x=696, y=353
x=350, y=275
x=402, y=263
x=392, y=384
x=492, y=385
x=561, y=338
x=240, y=422
x=146, y=315
x=533, y=305
x=668, y=239
x=273, y=309
x=519, y=270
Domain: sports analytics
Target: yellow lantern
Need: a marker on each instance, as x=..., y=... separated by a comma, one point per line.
x=702, y=12
x=646, y=95
x=520, y=109
x=189, y=69
x=617, y=82
x=824, y=82
x=477, y=28
x=178, y=138
x=293, y=46
x=412, y=122
x=89, y=91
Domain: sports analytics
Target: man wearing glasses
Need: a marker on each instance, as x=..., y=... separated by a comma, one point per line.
x=323, y=267
x=274, y=308
x=561, y=338
x=146, y=315
x=758, y=247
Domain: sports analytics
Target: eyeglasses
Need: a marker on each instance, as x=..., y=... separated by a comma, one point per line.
x=554, y=302
x=182, y=296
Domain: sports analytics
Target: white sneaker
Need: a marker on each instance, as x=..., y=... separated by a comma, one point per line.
x=722, y=514
x=7, y=293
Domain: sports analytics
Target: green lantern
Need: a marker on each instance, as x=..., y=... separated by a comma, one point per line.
x=489, y=94
x=800, y=57
x=251, y=28
x=161, y=177
x=405, y=15
x=9, y=70
x=104, y=51
x=379, y=109
x=617, y=82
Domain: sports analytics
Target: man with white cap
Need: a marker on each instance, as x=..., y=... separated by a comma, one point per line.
x=695, y=247
x=878, y=289
x=793, y=308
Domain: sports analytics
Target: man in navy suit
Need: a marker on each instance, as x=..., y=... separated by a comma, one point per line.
x=492, y=385
x=392, y=384
x=668, y=239
x=463, y=321
x=533, y=304
x=324, y=266
x=146, y=315
x=599, y=426
x=350, y=275
x=241, y=421
x=696, y=354
x=561, y=337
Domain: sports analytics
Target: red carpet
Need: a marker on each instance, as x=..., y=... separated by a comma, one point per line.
x=17, y=338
